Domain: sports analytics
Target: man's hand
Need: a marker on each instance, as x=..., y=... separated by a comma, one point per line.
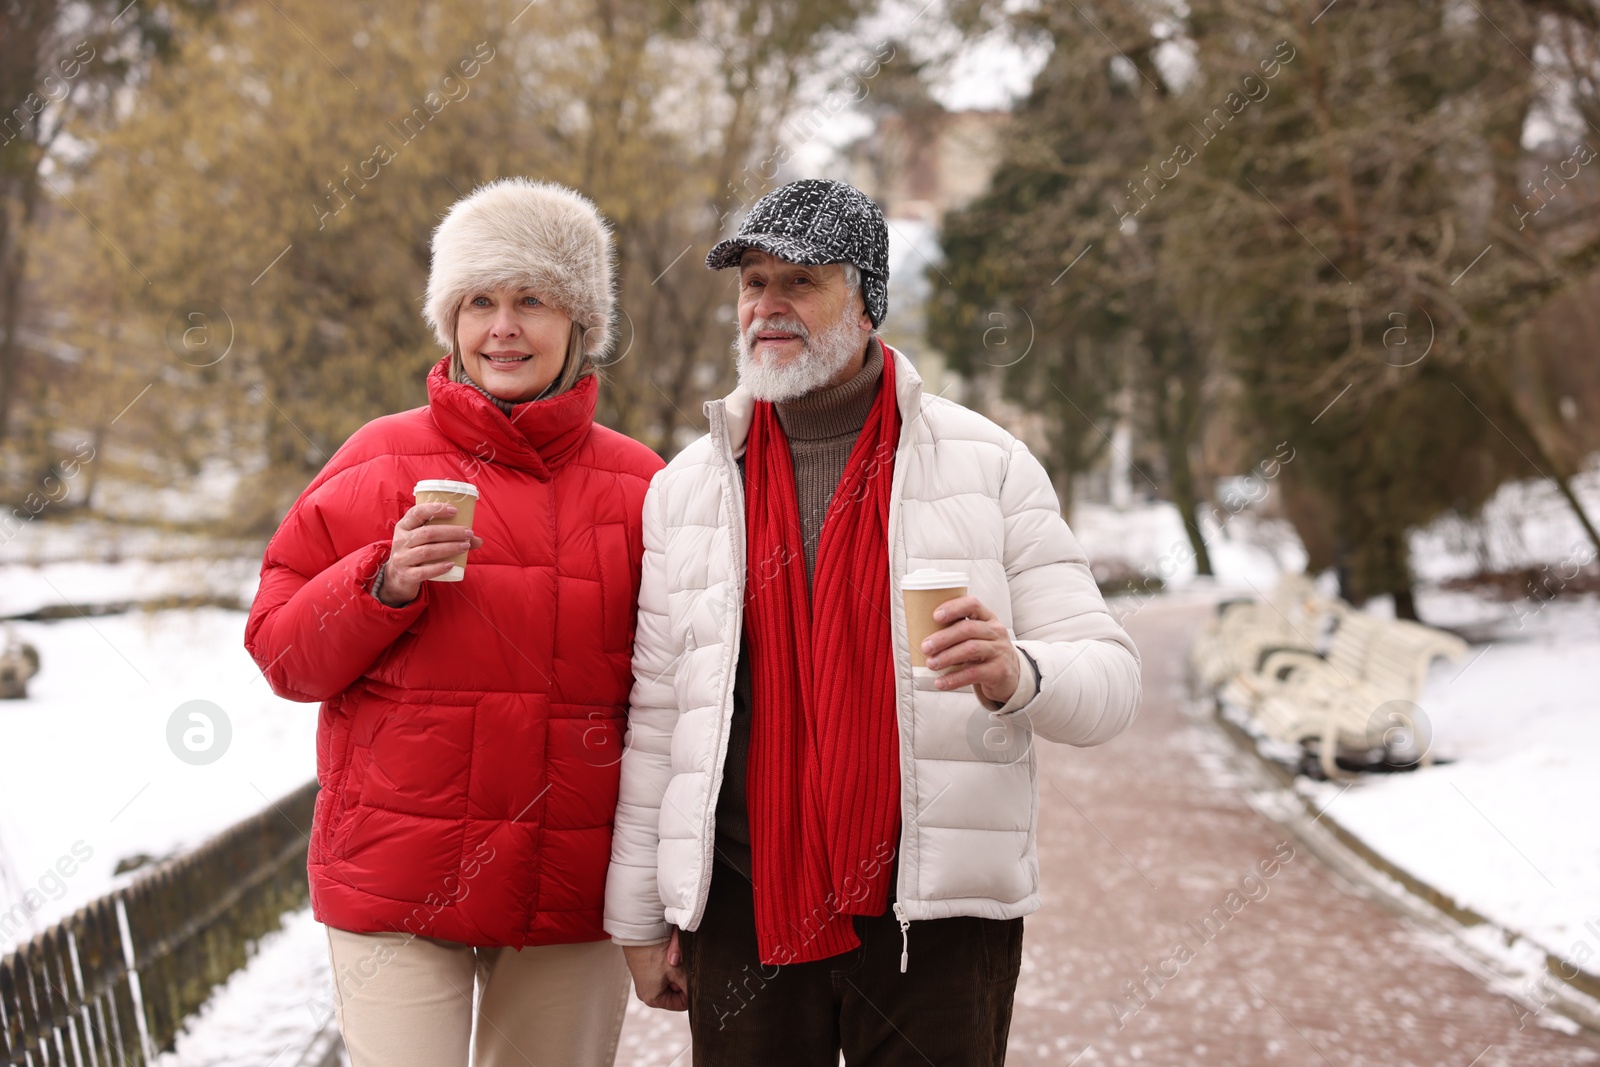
x=420, y=552
x=973, y=641
x=658, y=974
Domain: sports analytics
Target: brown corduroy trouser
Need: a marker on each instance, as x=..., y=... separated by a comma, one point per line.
x=951, y=1006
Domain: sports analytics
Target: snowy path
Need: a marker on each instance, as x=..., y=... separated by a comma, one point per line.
x=1151, y=859
x=1141, y=844
x=1136, y=841
x=653, y=1038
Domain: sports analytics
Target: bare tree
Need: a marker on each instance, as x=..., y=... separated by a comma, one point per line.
x=58, y=61
x=281, y=176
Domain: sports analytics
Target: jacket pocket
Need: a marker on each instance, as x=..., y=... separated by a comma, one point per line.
x=618, y=586
x=1002, y=949
x=348, y=802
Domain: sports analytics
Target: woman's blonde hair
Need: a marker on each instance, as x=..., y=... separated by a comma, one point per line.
x=574, y=368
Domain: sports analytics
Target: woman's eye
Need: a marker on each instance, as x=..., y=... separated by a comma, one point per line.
x=480, y=301
x=531, y=301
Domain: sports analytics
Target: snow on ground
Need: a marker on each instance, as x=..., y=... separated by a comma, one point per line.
x=37, y=541
x=271, y=1012
x=1247, y=552
x=94, y=562
x=652, y=1037
x=83, y=582
x=1506, y=827
x=1525, y=524
x=85, y=766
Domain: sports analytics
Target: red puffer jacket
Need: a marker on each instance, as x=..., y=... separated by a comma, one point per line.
x=468, y=744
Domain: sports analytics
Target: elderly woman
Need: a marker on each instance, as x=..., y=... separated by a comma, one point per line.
x=472, y=718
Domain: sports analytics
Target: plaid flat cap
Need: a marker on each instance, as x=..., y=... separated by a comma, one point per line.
x=816, y=221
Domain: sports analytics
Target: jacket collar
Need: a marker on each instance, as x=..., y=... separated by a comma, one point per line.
x=731, y=416
x=540, y=436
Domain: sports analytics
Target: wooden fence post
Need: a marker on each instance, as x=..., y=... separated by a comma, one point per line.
x=10, y=1016
x=112, y=984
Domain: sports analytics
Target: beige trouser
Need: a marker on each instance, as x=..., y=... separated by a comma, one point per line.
x=406, y=1001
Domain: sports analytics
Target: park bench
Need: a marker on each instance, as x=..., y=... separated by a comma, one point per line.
x=1295, y=615
x=1360, y=693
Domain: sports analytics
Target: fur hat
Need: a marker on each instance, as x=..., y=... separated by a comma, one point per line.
x=524, y=233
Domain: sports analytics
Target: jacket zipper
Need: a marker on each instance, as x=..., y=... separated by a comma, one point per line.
x=736, y=582
x=905, y=937
x=897, y=488
x=736, y=540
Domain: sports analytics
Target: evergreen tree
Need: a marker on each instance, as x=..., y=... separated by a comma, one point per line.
x=1321, y=210
x=1075, y=237
x=1356, y=229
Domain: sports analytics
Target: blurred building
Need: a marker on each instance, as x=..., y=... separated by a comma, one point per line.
x=919, y=164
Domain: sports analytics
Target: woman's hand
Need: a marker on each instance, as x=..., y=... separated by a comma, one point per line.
x=658, y=974
x=420, y=552
x=973, y=640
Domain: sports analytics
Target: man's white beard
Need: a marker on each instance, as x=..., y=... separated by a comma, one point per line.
x=822, y=358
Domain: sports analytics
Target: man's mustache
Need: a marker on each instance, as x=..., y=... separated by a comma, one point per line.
x=794, y=326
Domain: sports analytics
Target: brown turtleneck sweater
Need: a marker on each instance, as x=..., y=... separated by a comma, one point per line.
x=822, y=428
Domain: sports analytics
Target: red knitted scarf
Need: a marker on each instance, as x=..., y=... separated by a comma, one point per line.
x=823, y=785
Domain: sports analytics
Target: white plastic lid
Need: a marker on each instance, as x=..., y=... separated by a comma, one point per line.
x=931, y=579
x=443, y=485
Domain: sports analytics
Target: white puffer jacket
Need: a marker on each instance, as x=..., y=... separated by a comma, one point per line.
x=966, y=496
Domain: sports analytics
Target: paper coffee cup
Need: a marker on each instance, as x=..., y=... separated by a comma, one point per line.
x=924, y=590
x=464, y=495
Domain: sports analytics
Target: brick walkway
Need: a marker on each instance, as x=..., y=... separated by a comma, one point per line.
x=1141, y=956
x=1139, y=843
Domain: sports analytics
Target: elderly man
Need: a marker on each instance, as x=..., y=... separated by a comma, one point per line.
x=819, y=847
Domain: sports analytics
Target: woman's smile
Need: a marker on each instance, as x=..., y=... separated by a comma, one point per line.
x=509, y=315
